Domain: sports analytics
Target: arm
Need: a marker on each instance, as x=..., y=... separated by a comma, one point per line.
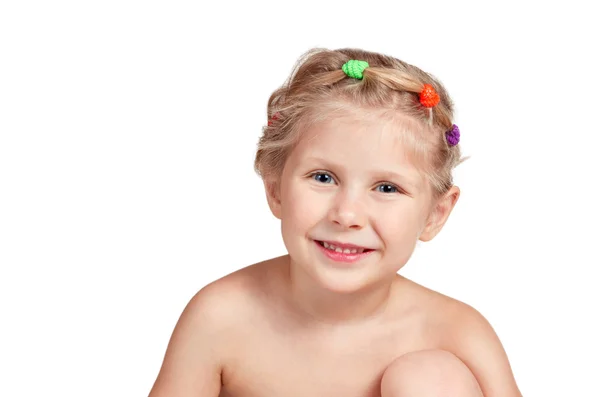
x=477, y=345
x=191, y=365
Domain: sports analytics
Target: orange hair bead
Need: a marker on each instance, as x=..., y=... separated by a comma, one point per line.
x=428, y=97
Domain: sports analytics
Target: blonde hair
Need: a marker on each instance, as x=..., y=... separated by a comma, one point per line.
x=318, y=86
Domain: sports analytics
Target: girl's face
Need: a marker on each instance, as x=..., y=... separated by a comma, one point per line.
x=349, y=182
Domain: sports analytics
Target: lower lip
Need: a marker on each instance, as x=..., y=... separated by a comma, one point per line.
x=340, y=256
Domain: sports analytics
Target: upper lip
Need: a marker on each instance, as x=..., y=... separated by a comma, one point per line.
x=343, y=245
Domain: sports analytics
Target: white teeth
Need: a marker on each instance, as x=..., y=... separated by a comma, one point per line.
x=343, y=250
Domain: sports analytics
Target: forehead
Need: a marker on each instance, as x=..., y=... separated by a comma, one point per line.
x=360, y=143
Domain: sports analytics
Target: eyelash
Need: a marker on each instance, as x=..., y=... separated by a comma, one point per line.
x=398, y=189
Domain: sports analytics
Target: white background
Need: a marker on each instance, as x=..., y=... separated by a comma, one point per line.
x=127, y=138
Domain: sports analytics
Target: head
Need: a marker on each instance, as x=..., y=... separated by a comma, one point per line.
x=359, y=162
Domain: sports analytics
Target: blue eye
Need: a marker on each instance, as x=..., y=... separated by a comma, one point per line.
x=322, y=177
x=387, y=188
x=325, y=178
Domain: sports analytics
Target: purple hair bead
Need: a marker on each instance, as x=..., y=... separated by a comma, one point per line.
x=453, y=135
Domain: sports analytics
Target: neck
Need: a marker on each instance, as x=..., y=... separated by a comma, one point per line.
x=325, y=307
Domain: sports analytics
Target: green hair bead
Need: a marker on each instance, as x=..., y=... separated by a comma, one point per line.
x=354, y=68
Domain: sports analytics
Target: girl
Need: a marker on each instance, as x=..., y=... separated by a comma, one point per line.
x=356, y=161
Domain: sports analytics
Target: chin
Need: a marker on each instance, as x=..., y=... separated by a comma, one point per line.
x=344, y=281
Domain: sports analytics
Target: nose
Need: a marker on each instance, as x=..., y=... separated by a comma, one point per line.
x=347, y=211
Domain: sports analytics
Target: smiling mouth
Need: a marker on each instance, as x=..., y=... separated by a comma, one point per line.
x=343, y=250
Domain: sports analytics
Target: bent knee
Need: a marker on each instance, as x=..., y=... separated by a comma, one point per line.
x=428, y=373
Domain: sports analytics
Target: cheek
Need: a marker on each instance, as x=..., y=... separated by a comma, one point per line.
x=302, y=208
x=399, y=223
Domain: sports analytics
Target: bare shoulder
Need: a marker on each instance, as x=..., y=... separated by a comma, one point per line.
x=204, y=336
x=466, y=333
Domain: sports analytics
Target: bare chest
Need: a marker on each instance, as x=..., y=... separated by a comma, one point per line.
x=295, y=365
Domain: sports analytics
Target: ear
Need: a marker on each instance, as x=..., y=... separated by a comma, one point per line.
x=439, y=214
x=273, y=196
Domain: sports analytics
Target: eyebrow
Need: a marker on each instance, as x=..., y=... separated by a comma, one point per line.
x=404, y=180
x=385, y=174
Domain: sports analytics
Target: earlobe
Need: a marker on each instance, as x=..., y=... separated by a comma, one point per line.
x=273, y=196
x=440, y=213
